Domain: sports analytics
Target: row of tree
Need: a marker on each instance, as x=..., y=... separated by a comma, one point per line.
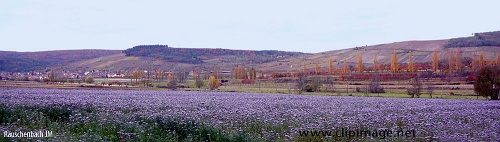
x=454, y=64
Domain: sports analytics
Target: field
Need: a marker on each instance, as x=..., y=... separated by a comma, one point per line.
x=162, y=115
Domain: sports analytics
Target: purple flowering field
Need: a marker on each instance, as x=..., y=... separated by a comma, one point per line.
x=257, y=117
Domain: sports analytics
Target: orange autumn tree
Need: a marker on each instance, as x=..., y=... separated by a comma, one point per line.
x=498, y=59
x=346, y=69
x=231, y=74
x=195, y=74
x=237, y=72
x=435, y=61
x=394, y=63
x=316, y=68
x=304, y=67
x=411, y=67
x=159, y=75
x=481, y=60
x=458, y=61
x=450, y=61
x=360, y=64
x=330, y=68
x=375, y=64
x=243, y=73
x=216, y=73
x=170, y=79
x=254, y=74
x=474, y=61
x=250, y=72
x=213, y=83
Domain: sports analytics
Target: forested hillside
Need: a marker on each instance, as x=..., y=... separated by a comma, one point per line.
x=478, y=40
x=199, y=55
x=29, y=61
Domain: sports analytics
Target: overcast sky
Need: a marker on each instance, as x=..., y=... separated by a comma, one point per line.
x=307, y=26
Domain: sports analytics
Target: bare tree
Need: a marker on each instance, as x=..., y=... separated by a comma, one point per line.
x=430, y=89
x=329, y=80
x=53, y=76
x=181, y=77
x=301, y=82
x=198, y=81
x=374, y=86
x=416, y=87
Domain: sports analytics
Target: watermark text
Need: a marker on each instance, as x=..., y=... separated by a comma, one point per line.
x=28, y=134
x=347, y=133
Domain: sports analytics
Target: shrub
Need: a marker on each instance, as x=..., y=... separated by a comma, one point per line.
x=246, y=81
x=199, y=83
x=46, y=80
x=89, y=79
x=314, y=86
x=308, y=88
x=171, y=83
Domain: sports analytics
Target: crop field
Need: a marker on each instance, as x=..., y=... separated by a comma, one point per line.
x=162, y=115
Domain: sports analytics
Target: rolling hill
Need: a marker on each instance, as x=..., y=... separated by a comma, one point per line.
x=156, y=57
x=29, y=61
x=421, y=50
x=162, y=57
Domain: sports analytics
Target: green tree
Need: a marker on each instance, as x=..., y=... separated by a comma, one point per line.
x=488, y=82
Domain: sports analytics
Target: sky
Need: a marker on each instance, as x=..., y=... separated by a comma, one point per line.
x=306, y=26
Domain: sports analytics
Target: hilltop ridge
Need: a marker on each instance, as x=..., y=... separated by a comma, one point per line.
x=153, y=57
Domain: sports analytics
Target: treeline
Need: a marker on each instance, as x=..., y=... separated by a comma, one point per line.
x=30, y=61
x=163, y=52
x=197, y=55
x=16, y=64
x=478, y=40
